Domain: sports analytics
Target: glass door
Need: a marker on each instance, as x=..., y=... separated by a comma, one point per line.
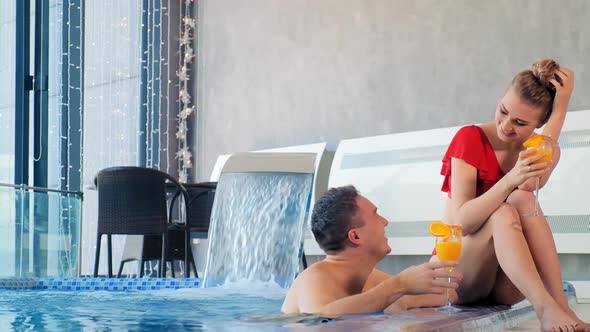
x=40, y=98
x=7, y=88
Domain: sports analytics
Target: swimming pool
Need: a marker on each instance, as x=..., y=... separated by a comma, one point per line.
x=234, y=307
x=212, y=309
x=153, y=304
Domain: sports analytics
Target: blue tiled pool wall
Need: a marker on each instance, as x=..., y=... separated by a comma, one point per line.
x=99, y=284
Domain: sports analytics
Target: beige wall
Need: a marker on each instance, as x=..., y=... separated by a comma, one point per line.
x=277, y=73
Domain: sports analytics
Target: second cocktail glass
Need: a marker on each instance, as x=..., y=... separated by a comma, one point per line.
x=448, y=248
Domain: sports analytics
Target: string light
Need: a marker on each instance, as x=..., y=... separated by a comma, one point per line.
x=159, y=80
x=109, y=131
x=168, y=82
x=149, y=87
x=187, y=56
x=111, y=103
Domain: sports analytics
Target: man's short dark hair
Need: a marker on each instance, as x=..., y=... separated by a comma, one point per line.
x=333, y=216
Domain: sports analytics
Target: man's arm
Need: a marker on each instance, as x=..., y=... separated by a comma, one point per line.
x=409, y=301
x=375, y=278
x=323, y=296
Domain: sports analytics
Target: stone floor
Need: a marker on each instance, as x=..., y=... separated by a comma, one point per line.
x=582, y=309
x=520, y=317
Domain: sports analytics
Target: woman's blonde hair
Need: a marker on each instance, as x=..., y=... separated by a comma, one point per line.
x=534, y=85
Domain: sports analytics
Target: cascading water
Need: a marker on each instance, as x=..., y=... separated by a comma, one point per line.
x=257, y=226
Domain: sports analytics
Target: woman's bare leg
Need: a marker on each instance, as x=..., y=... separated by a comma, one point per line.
x=514, y=256
x=484, y=273
x=542, y=247
x=504, y=291
x=479, y=268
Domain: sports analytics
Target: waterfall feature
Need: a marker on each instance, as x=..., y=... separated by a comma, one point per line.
x=257, y=226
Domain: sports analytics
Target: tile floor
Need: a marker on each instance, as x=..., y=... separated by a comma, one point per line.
x=582, y=309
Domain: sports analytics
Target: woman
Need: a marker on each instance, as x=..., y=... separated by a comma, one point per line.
x=490, y=179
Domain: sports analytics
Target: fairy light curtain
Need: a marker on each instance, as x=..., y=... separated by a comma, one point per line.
x=137, y=100
x=167, y=104
x=65, y=123
x=187, y=55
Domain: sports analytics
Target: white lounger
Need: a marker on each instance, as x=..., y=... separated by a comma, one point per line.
x=400, y=173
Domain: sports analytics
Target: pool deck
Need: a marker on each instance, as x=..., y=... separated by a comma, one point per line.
x=99, y=284
x=581, y=309
x=496, y=318
x=499, y=318
x=520, y=317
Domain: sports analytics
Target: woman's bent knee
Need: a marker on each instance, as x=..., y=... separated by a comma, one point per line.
x=521, y=199
x=505, y=210
x=506, y=214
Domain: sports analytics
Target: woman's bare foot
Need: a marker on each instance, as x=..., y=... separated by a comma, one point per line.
x=553, y=318
x=581, y=325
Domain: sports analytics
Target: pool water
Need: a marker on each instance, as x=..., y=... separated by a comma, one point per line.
x=55, y=305
x=232, y=308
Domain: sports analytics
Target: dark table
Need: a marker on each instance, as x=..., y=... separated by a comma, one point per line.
x=201, y=196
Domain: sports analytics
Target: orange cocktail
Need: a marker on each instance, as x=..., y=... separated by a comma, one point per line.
x=544, y=147
x=448, y=248
x=548, y=155
x=448, y=251
x=448, y=240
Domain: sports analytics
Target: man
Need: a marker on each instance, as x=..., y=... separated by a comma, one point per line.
x=348, y=228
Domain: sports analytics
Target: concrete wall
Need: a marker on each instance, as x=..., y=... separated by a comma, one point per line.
x=285, y=72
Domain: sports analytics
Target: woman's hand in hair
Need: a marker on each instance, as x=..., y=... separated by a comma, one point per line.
x=563, y=91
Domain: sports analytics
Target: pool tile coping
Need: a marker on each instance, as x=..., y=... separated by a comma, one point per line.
x=99, y=284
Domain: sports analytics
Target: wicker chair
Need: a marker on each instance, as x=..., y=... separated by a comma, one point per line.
x=132, y=201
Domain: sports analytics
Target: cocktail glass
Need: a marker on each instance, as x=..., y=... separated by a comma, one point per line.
x=448, y=248
x=543, y=146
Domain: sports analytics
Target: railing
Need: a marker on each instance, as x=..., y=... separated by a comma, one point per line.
x=39, y=231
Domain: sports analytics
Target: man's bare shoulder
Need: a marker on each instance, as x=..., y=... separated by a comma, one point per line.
x=318, y=272
x=316, y=279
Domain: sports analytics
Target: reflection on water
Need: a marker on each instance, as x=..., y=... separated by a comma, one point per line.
x=214, y=309
x=235, y=306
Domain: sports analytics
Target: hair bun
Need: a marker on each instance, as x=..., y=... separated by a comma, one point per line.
x=544, y=70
